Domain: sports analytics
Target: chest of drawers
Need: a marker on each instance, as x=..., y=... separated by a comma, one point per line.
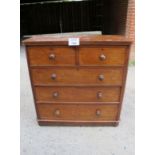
x=78, y=85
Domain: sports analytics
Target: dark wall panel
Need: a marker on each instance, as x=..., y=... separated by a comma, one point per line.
x=62, y=17
x=108, y=16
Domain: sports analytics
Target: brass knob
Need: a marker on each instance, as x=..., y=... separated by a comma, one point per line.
x=101, y=77
x=102, y=57
x=98, y=112
x=52, y=56
x=99, y=95
x=53, y=76
x=55, y=94
x=57, y=112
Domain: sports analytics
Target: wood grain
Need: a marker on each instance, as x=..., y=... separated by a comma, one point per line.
x=78, y=76
x=77, y=94
x=77, y=87
x=77, y=112
x=40, y=56
x=114, y=55
x=77, y=123
x=84, y=40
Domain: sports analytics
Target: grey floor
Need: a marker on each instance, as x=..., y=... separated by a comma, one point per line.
x=36, y=140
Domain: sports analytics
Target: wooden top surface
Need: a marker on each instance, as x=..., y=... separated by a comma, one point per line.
x=84, y=40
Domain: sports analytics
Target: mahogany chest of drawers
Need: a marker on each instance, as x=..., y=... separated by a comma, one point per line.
x=78, y=85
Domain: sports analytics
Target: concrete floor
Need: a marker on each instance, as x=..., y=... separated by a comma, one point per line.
x=36, y=140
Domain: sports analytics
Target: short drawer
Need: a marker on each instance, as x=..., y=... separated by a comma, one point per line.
x=105, y=56
x=49, y=55
x=78, y=94
x=107, y=76
x=78, y=112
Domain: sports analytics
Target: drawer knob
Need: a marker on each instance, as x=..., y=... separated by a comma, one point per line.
x=53, y=76
x=98, y=112
x=57, y=112
x=102, y=57
x=101, y=77
x=55, y=94
x=99, y=95
x=52, y=56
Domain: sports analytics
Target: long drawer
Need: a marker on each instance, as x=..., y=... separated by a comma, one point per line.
x=78, y=112
x=106, y=76
x=77, y=94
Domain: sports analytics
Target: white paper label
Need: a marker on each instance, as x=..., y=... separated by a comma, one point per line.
x=73, y=41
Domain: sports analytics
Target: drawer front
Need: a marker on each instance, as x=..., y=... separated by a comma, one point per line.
x=78, y=94
x=87, y=76
x=49, y=56
x=102, y=56
x=78, y=112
